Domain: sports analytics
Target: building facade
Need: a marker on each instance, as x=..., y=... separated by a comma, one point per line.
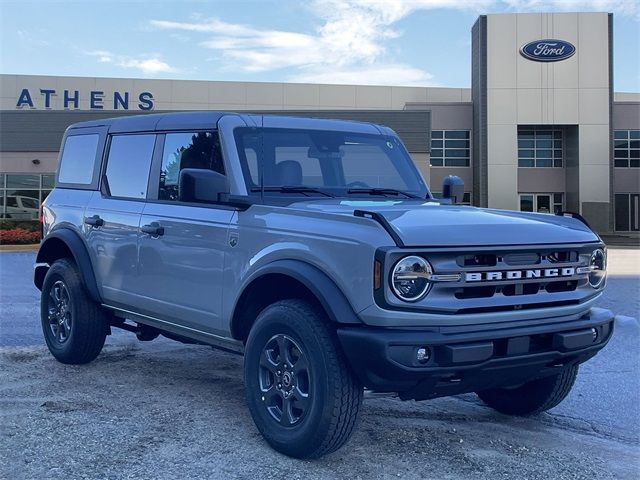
x=539, y=130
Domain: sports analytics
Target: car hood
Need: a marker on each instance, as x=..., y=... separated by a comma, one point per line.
x=423, y=223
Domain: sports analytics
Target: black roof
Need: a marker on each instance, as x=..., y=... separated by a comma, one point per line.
x=156, y=121
x=42, y=130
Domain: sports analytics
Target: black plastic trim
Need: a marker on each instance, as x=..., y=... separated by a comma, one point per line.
x=373, y=354
x=317, y=282
x=375, y=216
x=80, y=255
x=575, y=215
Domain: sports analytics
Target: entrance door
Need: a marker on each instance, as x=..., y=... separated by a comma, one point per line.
x=543, y=203
x=627, y=212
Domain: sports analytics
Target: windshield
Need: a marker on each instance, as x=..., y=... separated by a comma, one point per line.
x=278, y=161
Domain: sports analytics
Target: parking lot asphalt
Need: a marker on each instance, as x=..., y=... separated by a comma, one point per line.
x=165, y=410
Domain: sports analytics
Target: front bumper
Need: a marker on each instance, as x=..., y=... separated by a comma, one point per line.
x=472, y=358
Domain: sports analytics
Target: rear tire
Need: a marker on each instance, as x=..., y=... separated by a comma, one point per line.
x=300, y=390
x=532, y=397
x=74, y=326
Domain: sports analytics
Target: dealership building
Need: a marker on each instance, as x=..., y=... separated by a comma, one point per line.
x=540, y=129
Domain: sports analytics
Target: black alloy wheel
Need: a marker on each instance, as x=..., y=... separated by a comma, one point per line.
x=285, y=380
x=59, y=312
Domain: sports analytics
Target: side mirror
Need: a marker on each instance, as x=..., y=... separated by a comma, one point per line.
x=200, y=185
x=453, y=188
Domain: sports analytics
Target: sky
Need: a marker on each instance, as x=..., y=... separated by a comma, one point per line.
x=378, y=42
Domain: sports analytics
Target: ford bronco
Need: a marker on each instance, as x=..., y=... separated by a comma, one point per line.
x=315, y=248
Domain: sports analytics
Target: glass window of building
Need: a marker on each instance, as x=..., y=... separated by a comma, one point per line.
x=450, y=148
x=541, y=202
x=539, y=147
x=21, y=194
x=626, y=148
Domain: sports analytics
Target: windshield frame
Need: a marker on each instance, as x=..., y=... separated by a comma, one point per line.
x=406, y=170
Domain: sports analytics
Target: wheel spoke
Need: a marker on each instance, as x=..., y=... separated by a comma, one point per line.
x=301, y=399
x=266, y=362
x=287, y=415
x=56, y=293
x=300, y=365
x=269, y=394
x=66, y=323
x=284, y=345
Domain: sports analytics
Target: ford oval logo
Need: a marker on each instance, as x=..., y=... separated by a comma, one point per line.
x=547, y=50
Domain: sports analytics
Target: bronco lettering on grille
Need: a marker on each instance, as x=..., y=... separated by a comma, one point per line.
x=520, y=274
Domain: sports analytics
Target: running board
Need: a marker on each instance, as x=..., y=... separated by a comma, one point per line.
x=216, y=341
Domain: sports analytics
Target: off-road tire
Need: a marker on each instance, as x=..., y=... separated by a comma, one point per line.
x=89, y=324
x=335, y=394
x=532, y=397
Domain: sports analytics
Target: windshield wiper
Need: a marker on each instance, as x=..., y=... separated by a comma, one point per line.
x=292, y=189
x=382, y=191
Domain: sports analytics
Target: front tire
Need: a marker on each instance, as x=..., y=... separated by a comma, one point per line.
x=300, y=391
x=74, y=326
x=532, y=397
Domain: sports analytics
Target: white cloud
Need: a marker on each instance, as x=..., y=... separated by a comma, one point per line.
x=376, y=74
x=27, y=38
x=148, y=64
x=348, y=45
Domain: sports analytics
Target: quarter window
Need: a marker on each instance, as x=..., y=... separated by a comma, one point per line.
x=78, y=158
x=626, y=148
x=539, y=147
x=450, y=148
x=128, y=165
x=187, y=150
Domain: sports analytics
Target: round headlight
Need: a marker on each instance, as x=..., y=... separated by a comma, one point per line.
x=409, y=279
x=598, y=265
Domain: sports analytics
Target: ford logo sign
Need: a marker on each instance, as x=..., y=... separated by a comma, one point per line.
x=547, y=50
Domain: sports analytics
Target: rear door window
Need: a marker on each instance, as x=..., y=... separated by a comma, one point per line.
x=128, y=165
x=78, y=159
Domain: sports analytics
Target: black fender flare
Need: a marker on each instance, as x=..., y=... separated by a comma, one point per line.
x=80, y=254
x=330, y=297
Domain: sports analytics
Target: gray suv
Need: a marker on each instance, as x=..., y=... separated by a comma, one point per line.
x=315, y=248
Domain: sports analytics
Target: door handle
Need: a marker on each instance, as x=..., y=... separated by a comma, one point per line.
x=154, y=229
x=94, y=221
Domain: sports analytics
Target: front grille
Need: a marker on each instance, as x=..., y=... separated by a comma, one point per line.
x=518, y=278
x=510, y=290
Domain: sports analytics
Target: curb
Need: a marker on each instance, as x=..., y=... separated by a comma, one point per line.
x=19, y=248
